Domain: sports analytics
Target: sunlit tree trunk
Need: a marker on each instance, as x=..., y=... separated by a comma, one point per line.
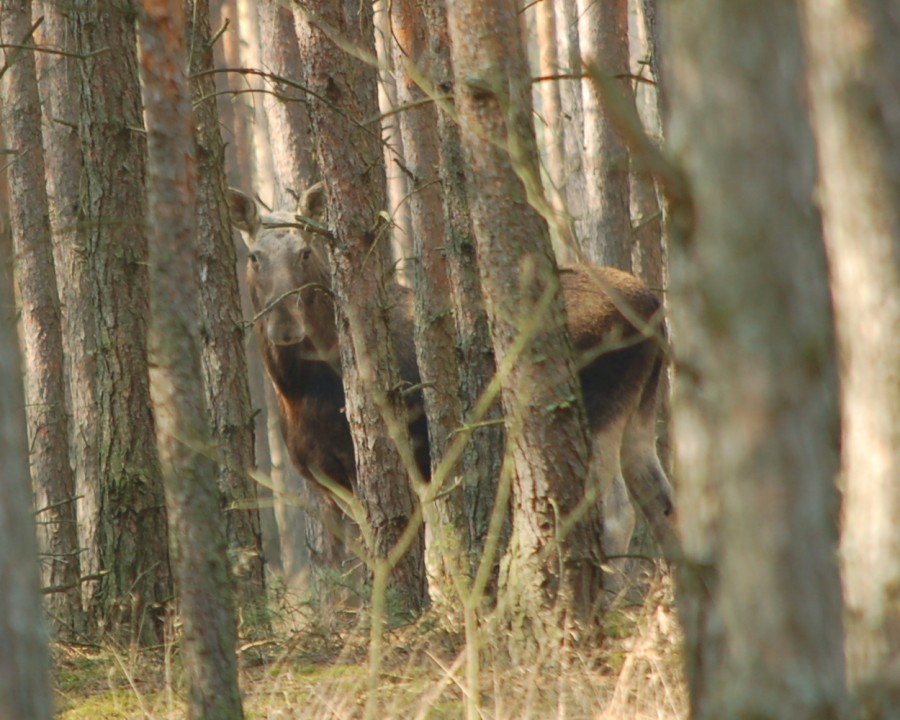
x=222, y=353
x=568, y=54
x=755, y=405
x=25, y=660
x=552, y=128
x=59, y=88
x=45, y=392
x=547, y=445
x=195, y=521
x=122, y=515
x=855, y=82
x=606, y=228
x=350, y=160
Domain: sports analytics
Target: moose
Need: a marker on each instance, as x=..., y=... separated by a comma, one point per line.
x=612, y=318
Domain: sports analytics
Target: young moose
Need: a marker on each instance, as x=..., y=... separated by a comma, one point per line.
x=288, y=275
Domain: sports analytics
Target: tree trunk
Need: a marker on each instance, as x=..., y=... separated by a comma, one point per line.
x=45, y=392
x=59, y=87
x=449, y=553
x=483, y=453
x=25, y=661
x=222, y=353
x=754, y=415
x=547, y=445
x=397, y=182
x=350, y=160
x=562, y=231
x=198, y=540
x=123, y=512
x=289, y=132
x=855, y=76
x=606, y=228
x=572, y=114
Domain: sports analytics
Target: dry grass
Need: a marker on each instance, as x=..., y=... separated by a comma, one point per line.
x=317, y=670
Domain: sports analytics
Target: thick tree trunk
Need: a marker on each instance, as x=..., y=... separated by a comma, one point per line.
x=350, y=160
x=45, y=391
x=449, y=554
x=605, y=231
x=25, y=661
x=198, y=540
x=481, y=411
x=122, y=515
x=755, y=410
x=855, y=82
x=222, y=353
x=547, y=445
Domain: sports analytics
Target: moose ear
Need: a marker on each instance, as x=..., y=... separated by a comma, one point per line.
x=243, y=211
x=312, y=203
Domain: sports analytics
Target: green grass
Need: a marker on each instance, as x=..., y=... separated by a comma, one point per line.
x=320, y=672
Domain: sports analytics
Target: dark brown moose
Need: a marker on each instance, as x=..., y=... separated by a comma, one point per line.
x=612, y=318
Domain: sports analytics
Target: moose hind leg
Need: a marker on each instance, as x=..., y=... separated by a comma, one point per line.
x=618, y=512
x=647, y=481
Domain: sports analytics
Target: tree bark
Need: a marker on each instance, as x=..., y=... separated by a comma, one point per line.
x=755, y=410
x=222, y=353
x=572, y=112
x=854, y=79
x=546, y=444
x=606, y=227
x=482, y=415
x=562, y=232
x=45, y=392
x=351, y=162
x=123, y=512
x=449, y=554
x=198, y=540
x=25, y=661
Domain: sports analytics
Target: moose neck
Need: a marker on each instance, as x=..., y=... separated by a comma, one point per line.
x=294, y=375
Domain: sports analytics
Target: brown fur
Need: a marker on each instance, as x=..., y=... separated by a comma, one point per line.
x=611, y=317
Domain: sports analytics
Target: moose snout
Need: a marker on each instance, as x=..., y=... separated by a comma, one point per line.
x=282, y=329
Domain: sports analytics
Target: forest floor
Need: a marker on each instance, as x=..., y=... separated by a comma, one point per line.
x=318, y=669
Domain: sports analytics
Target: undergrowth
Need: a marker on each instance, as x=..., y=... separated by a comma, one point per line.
x=315, y=668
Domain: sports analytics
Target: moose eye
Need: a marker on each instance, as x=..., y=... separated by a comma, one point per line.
x=253, y=257
x=305, y=253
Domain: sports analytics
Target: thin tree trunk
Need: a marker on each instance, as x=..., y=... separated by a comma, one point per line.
x=288, y=119
x=562, y=231
x=572, y=113
x=123, y=512
x=397, y=182
x=222, y=353
x=606, y=230
x=755, y=410
x=545, y=419
x=855, y=77
x=198, y=540
x=25, y=661
x=350, y=159
x=45, y=392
